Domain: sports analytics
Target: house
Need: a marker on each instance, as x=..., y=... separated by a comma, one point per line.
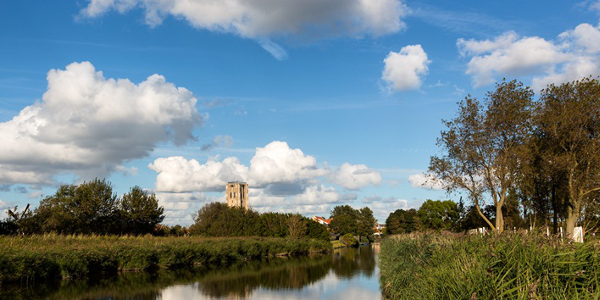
x=321, y=220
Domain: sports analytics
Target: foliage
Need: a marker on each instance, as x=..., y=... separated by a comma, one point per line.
x=52, y=256
x=508, y=266
x=401, y=221
x=139, y=212
x=482, y=146
x=218, y=219
x=349, y=240
x=347, y=220
x=438, y=215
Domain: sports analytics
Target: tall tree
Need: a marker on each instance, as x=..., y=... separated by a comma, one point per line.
x=88, y=208
x=140, y=211
x=401, y=221
x=482, y=146
x=438, y=214
x=568, y=125
x=344, y=219
x=366, y=222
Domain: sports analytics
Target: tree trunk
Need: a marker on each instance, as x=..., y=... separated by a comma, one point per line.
x=484, y=217
x=499, y=219
x=572, y=217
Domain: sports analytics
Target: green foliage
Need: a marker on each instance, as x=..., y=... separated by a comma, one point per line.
x=344, y=219
x=401, y=221
x=88, y=208
x=139, y=212
x=51, y=256
x=347, y=220
x=349, y=240
x=218, y=219
x=438, y=215
x=508, y=266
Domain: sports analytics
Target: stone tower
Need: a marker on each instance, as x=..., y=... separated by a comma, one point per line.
x=236, y=194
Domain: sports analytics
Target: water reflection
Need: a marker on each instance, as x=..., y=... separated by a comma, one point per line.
x=346, y=273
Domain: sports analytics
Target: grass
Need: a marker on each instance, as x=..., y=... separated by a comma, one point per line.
x=508, y=266
x=51, y=257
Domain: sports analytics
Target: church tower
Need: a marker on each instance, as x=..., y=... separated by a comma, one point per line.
x=236, y=194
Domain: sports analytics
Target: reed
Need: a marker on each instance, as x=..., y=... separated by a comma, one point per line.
x=49, y=257
x=507, y=266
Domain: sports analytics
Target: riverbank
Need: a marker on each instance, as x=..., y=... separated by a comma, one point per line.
x=456, y=266
x=52, y=257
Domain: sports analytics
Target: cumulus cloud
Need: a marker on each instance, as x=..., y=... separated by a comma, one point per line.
x=179, y=207
x=218, y=141
x=404, y=70
x=572, y=55
x=177, y=174
x=88, y=125
x=280, y=179
x=267, y=18
x=353, y=177
x=277, y=162
x=425, y=181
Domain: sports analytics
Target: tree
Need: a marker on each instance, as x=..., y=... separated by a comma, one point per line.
x=438, y=214
x=296, y=226
x=366, y=222
x=344, y=220
x=401, y=221
x=483, y=144
x=88, y=208
x=140, y=212
x=568, y=127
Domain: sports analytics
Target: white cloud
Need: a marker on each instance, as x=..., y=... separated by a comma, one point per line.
x=88, y=125
x=177, y=174
x=404, y=70
x=268, y=18
x=4, y=207
x=354, y=177
x=274, y=49
x=179, y=207
x=280, y=179
x=425, y=181
x=573, y=55
x=317, y=194
x=277, y=162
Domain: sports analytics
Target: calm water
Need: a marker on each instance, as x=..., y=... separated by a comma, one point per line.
x=345, y=274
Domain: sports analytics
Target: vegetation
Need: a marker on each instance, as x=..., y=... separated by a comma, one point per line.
x=508, y=266
x=88, y=208
x=511, y=152
x=347, y=220
x=218, y=219
x=47, y=257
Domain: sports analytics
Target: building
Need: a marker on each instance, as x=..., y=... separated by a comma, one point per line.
x=236, y=194
x=321, y=220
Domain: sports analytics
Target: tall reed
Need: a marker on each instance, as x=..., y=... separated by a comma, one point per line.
x=507, y=266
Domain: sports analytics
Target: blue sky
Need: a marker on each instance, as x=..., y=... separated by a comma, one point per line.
x=314, y=103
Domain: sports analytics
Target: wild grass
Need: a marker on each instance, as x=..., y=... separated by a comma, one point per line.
x=507, y=266
x=50, y=257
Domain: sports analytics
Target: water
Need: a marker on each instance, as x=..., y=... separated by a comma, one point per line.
x=345, y=274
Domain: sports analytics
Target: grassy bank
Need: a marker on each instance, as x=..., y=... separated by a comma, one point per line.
x=452, y=266
x=51, y=257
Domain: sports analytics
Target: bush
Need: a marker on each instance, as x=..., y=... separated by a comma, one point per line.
x=349, y=240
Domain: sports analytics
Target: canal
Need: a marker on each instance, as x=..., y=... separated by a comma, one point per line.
x=347, y=273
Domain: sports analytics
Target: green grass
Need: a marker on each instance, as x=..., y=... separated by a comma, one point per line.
x=48, y=257
x=509, y=266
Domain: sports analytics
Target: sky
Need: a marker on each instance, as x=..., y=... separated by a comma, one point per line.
x=314, y=103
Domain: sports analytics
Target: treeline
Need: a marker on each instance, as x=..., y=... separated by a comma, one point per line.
x=540, y=157
x=219, y=220
x=88, y=208
x=448, y=215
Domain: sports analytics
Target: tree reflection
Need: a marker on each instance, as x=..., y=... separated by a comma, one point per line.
x=237, y=281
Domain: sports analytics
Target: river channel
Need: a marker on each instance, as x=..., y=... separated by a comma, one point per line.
x=344, y=274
